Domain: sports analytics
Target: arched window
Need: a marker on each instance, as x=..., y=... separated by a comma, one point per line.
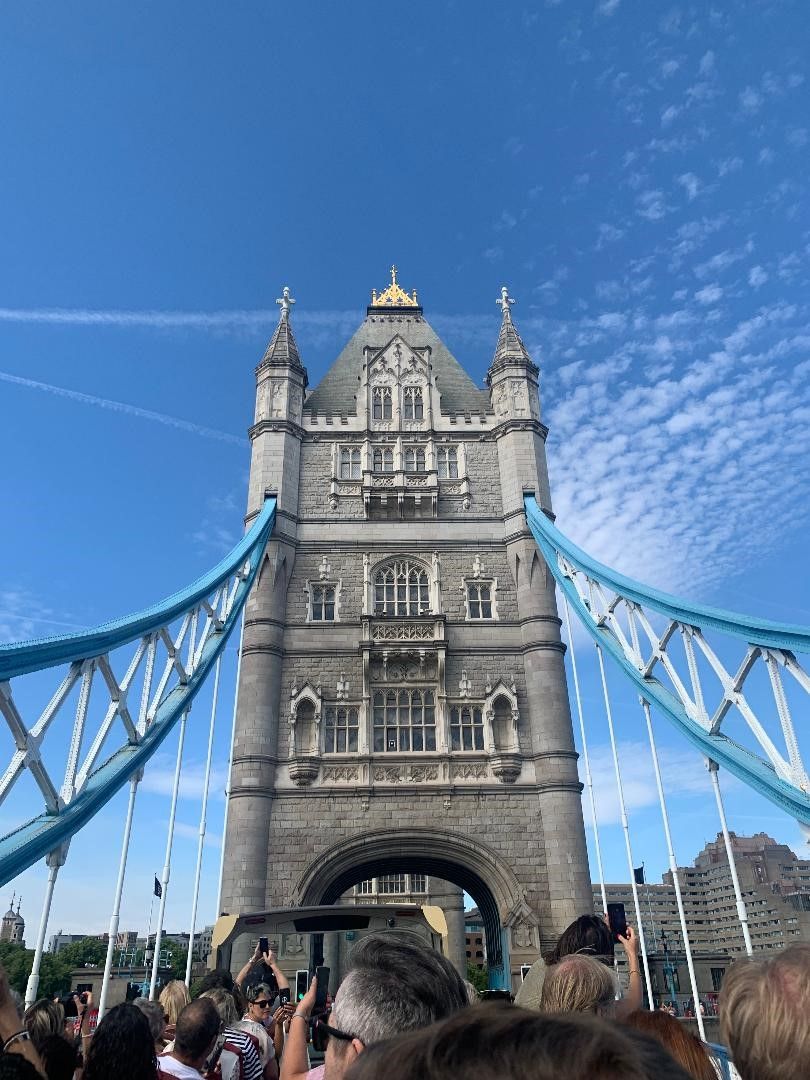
x=415, y=459
x=412, y=406
x=401, y=588
x=404, y=720
x=305, y=727
x=383, y=459
x=341, y=727
x=502, y=723
x=381, y=403
x=466, y=728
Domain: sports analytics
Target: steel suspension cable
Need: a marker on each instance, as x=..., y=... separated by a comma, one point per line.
x=55, y=860
x=230, y=763
x=626, y=828
x=203, y=811
x=673, y=867
x=585, y=757
x=119, y=890
x=742, y=913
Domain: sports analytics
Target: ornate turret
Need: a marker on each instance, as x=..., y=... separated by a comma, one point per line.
x=510, y=350
x=283, y=349
x=512, y=376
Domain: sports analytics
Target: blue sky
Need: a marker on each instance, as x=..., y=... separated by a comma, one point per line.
x=636, y=173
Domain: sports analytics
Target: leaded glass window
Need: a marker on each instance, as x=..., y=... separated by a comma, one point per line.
x=479, y=599
x=323, y=603
x=412, y=406
x=340, y=733
x=401, y=588
x=466, y=728
x=447, y=462
x=415, y=459
x=404, y=720
x=383, y=459
x=381, y=403
x=350, y=467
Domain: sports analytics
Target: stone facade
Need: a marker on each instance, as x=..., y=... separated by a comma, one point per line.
x=402, y=697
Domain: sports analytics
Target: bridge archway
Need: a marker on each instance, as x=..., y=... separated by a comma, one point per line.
x=464, y=862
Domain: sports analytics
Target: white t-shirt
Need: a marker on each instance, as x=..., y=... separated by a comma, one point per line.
x=173, y=1067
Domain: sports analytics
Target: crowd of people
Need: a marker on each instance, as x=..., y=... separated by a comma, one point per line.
x=404, y=1013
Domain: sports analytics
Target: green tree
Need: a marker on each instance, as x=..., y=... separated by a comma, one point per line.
x=478, y=977
x=90, y=950
x=54, y=972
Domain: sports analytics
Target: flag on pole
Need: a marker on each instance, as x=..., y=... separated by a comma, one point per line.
x=158, y=887
x=638, y=874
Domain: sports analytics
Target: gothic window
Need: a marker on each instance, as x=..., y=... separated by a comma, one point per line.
x=502, y=723
x=412, y=407
x=480, y=600
x=447, y=462
x=401, y=588
x=381, y=403
x=340, y=730
x=304, y=735
x=350, y=467
x=466, y=728
x=383, y=459
x=415, y=459
x=322, y=603
x=418, y=883
x=404, y=720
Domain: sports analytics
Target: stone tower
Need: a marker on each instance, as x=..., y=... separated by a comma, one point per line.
x=402, y=696
x=12, y=925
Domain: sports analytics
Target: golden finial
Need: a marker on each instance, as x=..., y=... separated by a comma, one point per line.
x=394, y=295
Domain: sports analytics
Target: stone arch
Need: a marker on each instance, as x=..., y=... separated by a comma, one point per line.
x=452, y=857
x=414, y=564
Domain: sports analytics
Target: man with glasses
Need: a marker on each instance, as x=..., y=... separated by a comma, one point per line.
x=394, y=985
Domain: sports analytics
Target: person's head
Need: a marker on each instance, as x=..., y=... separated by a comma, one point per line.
x=589, y=934
x=394, y=985
x=686, y=1048
x=155, y=1017
x=174, y=997
x=258, y=1032
x=59, y=1057
x=212, y=979
x=122, y=1047
x=42, y=1019
x=259, y=1002
x=497, y=1040
x=198, y=1026
x=764, y=1005
x=224, y=1004
x=579, y=984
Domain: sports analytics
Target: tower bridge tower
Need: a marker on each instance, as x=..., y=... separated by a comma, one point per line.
x=402, y=702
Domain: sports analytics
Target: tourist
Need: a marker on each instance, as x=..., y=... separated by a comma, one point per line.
x=579, y=983
x=276, y=978
x=686, y=1048
x=173, y=997
x=19, y=1059
x=393, y=985
x=44, y=1018
x=156, y=1018
x=591, y=936
x=498, y=1041
x=122, y=1047
x=764, y=1009
x=239, y=1054
x=195, y=1036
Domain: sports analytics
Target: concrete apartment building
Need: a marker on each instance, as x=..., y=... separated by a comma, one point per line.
x=402, y=701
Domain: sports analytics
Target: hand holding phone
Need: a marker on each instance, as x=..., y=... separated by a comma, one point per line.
x=322, y=993
x=617, y=920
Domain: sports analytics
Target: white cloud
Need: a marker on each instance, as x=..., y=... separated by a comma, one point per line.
x=608, y=234
x=707, y=63
x=750, y=100
x=691, y=185
x=669, y=67
x=756, y=277
x=797, y=137
x=709, y=295
x=607, y=7
x=669, y=114
x=765, y=156
x=652, y=205
x=158, y=776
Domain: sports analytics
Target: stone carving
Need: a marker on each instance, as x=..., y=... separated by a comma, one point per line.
x=261, y=402
x=522, y=935
x=419, y=773
x=295, y=401
x=413, y=425
x=277, y=389
x=382, y=425
x=464, y=685
x=350, y=489
x=389, y=774
x=411, y=666
x=383, y=481
x=339, y=772
x=292, y=944
x=451, y=489
x=470, y=770
x=417, y=481
x=520, y=401
x=500, y=400
x=402, y=632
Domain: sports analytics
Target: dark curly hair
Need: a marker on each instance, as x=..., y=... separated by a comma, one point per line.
x=122, y=1047
x=588, y=934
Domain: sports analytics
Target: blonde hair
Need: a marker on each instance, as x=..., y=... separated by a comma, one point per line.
x=174, y=997
x=42, y=1019
x=763, y=1015
x=579, y=984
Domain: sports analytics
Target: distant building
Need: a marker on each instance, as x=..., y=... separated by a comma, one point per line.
x=61, y=941
x=775, y=885
x=12, y=927
x=474, y=939
x=124, y=939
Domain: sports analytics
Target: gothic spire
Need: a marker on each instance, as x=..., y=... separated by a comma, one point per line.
x=283, y=349
x=510, y=348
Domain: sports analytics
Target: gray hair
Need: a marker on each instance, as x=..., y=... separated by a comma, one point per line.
x=223, y=1002
x=578, y=983
x=153, y=1011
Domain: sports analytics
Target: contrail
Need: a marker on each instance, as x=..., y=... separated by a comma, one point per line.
x=227, y=319
x=123, y=407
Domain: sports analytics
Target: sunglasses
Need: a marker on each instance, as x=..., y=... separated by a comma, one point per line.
x=263, y=1004
x=322, y=1032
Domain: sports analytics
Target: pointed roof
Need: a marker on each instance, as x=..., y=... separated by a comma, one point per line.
x=283, y=348
x=510, y=348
